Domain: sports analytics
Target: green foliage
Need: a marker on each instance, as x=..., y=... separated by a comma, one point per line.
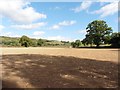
x=115, y=39
x=73, y=44
x=84, y=41
x=34, y=43
x=97, y=32
x=25, y=41
x=40, y=42
x=107, y=39
x=76, y=44
x=7, y=41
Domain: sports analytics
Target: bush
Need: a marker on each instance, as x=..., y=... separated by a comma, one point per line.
x=25, y=41
x=76, y=44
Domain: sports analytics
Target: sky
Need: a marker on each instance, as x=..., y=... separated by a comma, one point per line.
x=54, y=20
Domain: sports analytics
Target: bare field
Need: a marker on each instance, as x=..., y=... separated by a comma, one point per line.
x=98, y=54
x=59, y=68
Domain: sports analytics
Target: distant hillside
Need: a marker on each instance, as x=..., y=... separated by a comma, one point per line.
x=14, y=42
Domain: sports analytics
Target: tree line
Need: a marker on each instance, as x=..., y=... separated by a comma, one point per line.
x=98, y=33
x=25, y=41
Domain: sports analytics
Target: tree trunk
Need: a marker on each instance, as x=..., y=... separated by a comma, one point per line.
x=97, y=45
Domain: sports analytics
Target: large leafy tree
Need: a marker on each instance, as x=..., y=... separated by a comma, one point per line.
x=25, y=41
x=97, y=31
x=86, y=41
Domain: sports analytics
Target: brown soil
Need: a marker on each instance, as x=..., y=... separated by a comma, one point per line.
x=97, y=54
x=60, y=70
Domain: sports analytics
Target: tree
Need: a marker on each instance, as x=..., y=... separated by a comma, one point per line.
x=97, y=31
x=88, y=40
x=40, y=42
x=115, y=39
x=25, y=41
x=76, y=44
x=73, y=44
x=84, y=41
x=107, y=39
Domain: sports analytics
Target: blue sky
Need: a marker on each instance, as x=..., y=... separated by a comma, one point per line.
x=54, y=20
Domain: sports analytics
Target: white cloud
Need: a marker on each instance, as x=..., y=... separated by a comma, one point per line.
x=29, y=26
x=19, y=11
x=55, y=38
x=64, y=23
x=84, y=6
x=108, y=9
x=9, y=34
x=38, y=33
x=55, y=27
x=59, y=38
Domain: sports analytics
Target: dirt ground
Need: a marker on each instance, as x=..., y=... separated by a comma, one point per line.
x=59, y=68
x=97, y=54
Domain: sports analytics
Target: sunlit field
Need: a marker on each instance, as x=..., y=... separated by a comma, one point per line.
x=59, y=68
x=59, y=44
